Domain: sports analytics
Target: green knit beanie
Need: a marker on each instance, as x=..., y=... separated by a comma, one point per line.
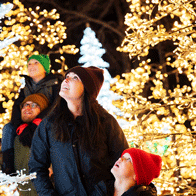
x=43, y=59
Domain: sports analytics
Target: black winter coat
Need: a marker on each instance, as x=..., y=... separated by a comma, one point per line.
x=49, y=86
x=76, y=171
x=141, y=190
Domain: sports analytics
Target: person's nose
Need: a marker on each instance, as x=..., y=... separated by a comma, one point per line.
x=67, y=80
x=119, y=160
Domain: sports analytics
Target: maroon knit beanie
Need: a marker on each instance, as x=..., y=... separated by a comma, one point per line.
x=91, y=77
x=146, y=166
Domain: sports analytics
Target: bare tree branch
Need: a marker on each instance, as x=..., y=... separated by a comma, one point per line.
x=80, y=15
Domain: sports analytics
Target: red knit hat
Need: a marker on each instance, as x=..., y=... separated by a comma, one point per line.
x=146, y=166
x=91, y=77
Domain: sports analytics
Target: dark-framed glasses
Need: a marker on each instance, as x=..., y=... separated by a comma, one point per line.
x=31, y=105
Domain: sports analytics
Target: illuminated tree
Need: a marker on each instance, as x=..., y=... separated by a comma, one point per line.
x=9, y=184
x=92, y=52
x=159, y=92
x=40, y=31
x=4, y=9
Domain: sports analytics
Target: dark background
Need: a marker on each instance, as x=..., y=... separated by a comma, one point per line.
x=106, y=18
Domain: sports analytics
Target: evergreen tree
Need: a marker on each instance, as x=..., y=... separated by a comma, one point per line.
x=91, y=55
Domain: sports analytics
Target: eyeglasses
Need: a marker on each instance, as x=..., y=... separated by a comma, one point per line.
x=31, y=105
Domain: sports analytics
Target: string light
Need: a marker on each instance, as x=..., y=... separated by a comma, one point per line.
x=162, y=119
x=32, y=26
x=9, y=184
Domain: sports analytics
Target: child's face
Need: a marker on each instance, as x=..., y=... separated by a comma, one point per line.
x=123, y=168
x=35, y=69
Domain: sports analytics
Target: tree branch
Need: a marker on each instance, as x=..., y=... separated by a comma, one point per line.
x=80, y=15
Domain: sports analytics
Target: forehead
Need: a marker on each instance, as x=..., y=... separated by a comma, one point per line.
x=127, y=155
x=33, y=60
x=71, y=73
x=29, y=102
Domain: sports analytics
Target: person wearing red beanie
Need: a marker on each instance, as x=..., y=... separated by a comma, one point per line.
x=134, y=172
x=79, y=137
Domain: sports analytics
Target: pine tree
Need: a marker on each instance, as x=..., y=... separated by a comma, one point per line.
x=159, y=92
x=91, y=55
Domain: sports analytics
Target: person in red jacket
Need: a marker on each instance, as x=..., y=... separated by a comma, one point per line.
x=134, y=171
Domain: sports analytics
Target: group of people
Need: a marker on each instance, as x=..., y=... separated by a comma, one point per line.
x=59, y=130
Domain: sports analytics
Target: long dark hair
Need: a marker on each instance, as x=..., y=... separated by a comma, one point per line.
x=89, y=130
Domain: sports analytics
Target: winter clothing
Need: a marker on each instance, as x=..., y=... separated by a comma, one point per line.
x=146, y=166
x=22, y=143
x=141, y=190
x=8, y=138
x=8, y=161
x=8, y=150
x=137, y=190
x=38, y=98
x=25, y=137
x=49, y=86
x=43, y=59
x=91, y=77
x=76, y=171
x=21, y=158
x=26, y=131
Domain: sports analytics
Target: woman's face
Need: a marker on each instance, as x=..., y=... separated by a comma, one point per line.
x=123, y=168
x=72, y=88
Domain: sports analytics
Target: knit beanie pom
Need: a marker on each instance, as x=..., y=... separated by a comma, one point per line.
x=38, y=98
x=146, y=166
x=91, y=77
x=43, y=59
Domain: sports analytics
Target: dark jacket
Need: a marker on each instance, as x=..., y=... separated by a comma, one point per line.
x=76, y=171
x=22, y=144
x=141, y=190
x=21, y=154
x=49, y=86
x=25, y=138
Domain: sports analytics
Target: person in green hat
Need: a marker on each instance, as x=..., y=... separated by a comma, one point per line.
x=38, y=80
